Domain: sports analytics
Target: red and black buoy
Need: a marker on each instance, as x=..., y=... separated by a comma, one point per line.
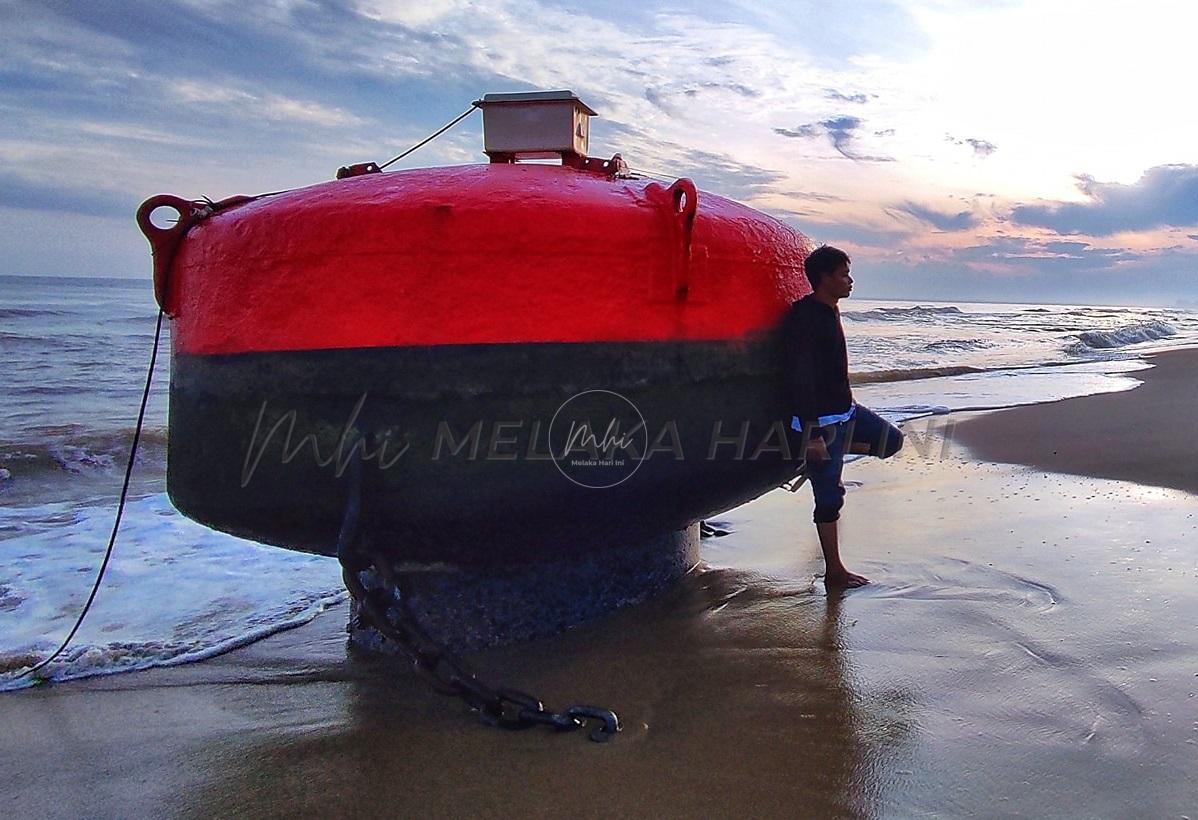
x=518, y=362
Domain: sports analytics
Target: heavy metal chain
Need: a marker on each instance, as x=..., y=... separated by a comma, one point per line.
x=386, y=607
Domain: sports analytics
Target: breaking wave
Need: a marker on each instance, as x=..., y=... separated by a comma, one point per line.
x=1126, y=335
x=73, y=451
x=958, y=344
x=896, y=314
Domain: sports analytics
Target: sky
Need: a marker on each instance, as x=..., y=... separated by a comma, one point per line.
x=1038, y=151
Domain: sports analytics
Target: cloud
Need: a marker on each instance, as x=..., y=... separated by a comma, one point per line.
x=273, y=81
x=801, y=132
x=945, y=222
x=730, y=177
x=1164, y=196
x=659, y=99
x=276, y=107
x=1027, y=252
x=783, y=214
x=860, y=98
x=857, y=234
x=981, y=148
x=736, y=88
x=834, y=34
x=811, y=196
x=28, y=194
x=134, y=132
x=1068, y=248
x=518, y=44
x=43, y=44
x=668, y=99
x=712, y=171
x=840, y=131
x=1028, y=269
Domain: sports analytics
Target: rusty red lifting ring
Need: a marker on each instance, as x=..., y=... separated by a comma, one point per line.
x=684, y=198
x=164, y=242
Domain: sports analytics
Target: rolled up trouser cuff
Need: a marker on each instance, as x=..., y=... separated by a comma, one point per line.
x=823, y=516
x=828, y=491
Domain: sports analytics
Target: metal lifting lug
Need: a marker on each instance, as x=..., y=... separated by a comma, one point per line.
x=361, y=169
x=614, y=168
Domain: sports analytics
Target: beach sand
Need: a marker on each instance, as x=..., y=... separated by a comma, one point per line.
x=1147, y=435
x=1027, y=648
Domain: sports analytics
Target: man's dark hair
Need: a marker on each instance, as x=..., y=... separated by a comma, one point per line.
x=822, y=261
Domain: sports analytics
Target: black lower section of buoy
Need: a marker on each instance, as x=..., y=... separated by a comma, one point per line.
x=477, y=454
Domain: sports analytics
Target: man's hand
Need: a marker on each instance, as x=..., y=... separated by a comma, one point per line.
x=817, y=450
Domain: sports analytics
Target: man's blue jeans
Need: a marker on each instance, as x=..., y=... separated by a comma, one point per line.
x=865, y=427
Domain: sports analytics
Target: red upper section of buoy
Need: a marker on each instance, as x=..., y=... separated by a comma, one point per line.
x=481, y=254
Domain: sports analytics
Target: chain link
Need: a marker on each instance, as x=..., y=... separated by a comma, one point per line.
x=386, y=609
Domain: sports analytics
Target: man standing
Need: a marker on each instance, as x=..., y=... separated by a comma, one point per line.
x=827, y=422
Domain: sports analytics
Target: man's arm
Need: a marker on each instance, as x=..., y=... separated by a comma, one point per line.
x=800, y=374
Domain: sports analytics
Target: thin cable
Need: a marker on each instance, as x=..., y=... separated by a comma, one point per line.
x=661, y=176
x=120, y=508
x=432, y=137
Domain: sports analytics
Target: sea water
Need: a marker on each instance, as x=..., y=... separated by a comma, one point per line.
x=917, y=358
x=73, y=357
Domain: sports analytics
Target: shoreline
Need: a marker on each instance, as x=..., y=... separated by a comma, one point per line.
x=1140, y=435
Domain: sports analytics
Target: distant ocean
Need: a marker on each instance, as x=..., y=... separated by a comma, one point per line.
x=73, y=354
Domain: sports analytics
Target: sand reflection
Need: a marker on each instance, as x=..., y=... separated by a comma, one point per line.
x=736, y=692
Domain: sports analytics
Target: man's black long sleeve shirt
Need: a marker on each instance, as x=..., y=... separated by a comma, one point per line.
x=815, y=361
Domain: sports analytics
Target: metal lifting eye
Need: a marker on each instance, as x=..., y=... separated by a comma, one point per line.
x=685, y=199
x=165, y=217
x=164, y=220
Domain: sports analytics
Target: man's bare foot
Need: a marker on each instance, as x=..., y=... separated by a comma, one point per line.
x=843, y=579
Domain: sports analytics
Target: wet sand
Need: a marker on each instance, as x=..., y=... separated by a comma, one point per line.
x=1027, y=648
x=1146, y=435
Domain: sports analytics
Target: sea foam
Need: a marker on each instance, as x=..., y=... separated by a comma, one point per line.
x=174, y=592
